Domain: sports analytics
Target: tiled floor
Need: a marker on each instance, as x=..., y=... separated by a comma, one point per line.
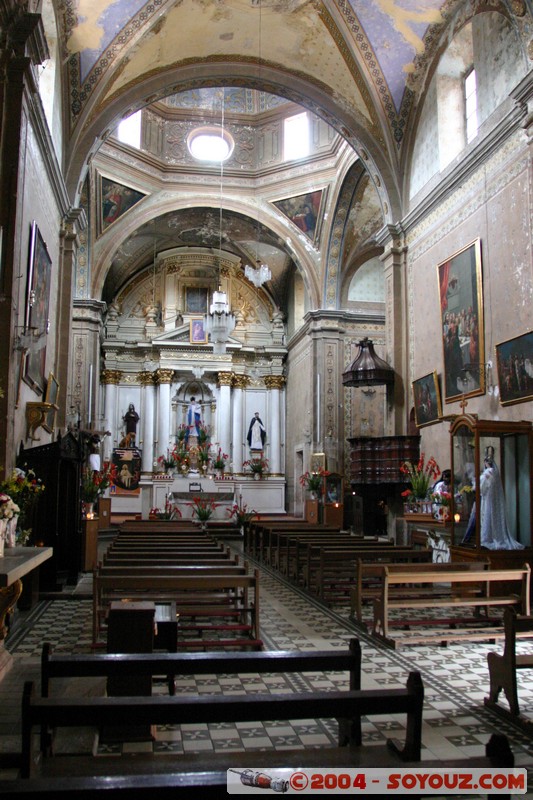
x=456, y=723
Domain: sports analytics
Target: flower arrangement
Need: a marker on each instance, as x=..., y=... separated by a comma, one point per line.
x=181, y=433
x=420, y=476
x=203, y=435
x=241, y=514
x=8, y=509
x=256, y=465
x=220, y=460
x=203, y=455
x=181, y=458
x=170, y=511
x=442, y=498
x=312, y=481
x=168, y=461
x=23, y=487
x=95, y=483
x=202, y=508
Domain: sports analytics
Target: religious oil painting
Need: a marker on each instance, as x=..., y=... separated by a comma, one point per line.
x=197, y=331
x=427, y=400
x=115, y=200
x=304, y=210
x=461, y=306
x=196, y=300
x=37, y=320
x=514, y=362
x=127, y=470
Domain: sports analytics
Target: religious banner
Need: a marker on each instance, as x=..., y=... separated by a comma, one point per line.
x=127, y=464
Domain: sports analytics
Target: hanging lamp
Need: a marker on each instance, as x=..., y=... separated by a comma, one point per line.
x=220, y=322
x=368, y=369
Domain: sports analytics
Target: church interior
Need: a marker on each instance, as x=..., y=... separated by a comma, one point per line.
x=267, y=258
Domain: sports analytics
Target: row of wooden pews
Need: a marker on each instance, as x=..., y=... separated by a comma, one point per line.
x=193, y=579
x=45, y=772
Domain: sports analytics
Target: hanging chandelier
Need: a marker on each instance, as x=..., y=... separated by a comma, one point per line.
x=220, y=322
x=258, y=275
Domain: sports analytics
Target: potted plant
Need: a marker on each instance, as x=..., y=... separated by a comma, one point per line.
x=202, y=510
x=241, y=514
x=220, y=461
x=421, y=476
x=94, y=484
x=257, y=466
x=313, y=482
x=168, y=462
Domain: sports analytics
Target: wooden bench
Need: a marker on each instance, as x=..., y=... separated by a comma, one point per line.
x=297, y=550
x=347, y=706
x=503, y=668
x=369, y=576
x=331, y=572
x=211, y=780
x=233, y=600
x=258, y=540
x=476, y=595
x=269, y=536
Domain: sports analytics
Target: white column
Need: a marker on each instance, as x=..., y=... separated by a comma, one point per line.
x=164, y=379
x=224, y=415
x=275, y=383
x=148, y=405
x=239, y=383
x=110, y=379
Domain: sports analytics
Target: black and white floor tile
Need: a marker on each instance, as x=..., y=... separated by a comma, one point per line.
x=456, y=722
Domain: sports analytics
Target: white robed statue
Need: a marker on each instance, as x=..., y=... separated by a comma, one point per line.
x=494, y=531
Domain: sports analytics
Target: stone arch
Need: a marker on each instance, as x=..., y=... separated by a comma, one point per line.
x=92, y=129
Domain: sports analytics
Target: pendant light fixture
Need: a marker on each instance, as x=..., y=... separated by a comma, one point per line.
x=261, y=272
x=220, y=322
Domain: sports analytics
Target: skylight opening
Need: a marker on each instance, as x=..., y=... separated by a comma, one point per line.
x=129, y=130
x=296, y=137
x=210, y=144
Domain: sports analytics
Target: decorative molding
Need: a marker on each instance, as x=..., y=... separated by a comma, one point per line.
x=164, y=376
x=275, y=381
x=146, y=378
x=225, y=378
x=240, y=381
x=110, y=376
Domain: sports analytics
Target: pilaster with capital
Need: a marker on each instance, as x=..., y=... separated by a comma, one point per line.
x=394, y=259
x=275, y=384
x=224, y=437
x=147, y=381
x=163, y=379
x=240, y=382
x=109, y=378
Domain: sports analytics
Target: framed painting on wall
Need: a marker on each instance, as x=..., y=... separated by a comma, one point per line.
x=514, y=362
x=37, y=321
x=197, y=331
x=461, y=307
x=427, y=400
x=304, y=211
x=114, y=200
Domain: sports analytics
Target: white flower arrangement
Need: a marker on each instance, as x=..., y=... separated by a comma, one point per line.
x=8, y=509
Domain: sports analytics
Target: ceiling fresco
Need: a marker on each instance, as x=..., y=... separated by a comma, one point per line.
x=115, y=43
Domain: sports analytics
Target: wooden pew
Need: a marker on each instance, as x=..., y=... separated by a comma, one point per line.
x=369, y=574
x=330, y=571
x=292, y=548
x=266, y=537
x=212, y=780
x=347, y=706
x=438, y=588
x=200, y=599
x=503, y=668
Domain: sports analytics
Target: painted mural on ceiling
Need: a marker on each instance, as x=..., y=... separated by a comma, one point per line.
x=389, y=33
